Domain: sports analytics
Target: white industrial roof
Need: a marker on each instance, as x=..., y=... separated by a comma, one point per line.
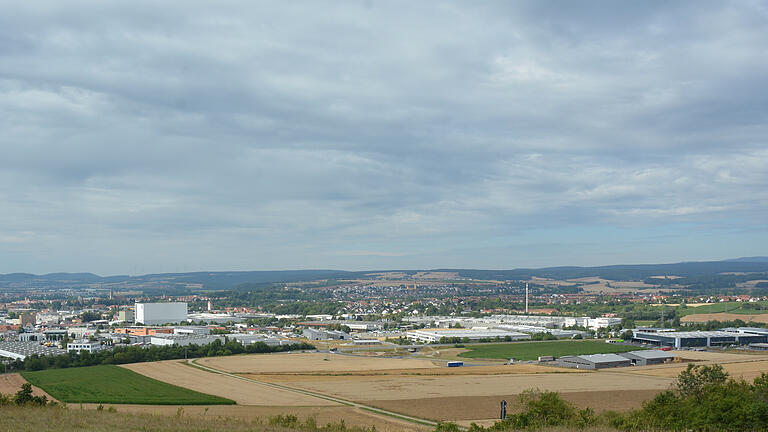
x=651, y=354
x=601, y=358
x=690, y=334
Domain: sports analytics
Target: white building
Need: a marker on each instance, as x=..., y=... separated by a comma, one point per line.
x=598, y=323
x=84, y=345
x=161, y=313
x=191, y=330
x=184, y=340
x=435, y=335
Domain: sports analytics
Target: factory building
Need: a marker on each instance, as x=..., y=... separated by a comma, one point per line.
x=161, y=313
x=316, y=334
x=192, y=330
x=475, y=334
x=21, y=350
x=84, y=345
x=594, y=361
x=648, y=357
x=126, y=315
x=184, y=340
x=700, y=338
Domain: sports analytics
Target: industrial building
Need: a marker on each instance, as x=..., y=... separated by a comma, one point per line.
x=700, y=338
x=22, y=350
x=191, y=330
x=247, y=339
x=475, y=334
x=219, y=318
x=126, y=315
x=594, y=361
x=317, y=334
x=560, y=334
x=648, y=357
x=353, y=325
x=184, y=340
x=84, y=345
x=161, y=313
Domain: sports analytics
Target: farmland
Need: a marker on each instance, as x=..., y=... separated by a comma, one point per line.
x=418, y=385
x=532, y=350
x=112, y=384
x=739, y=308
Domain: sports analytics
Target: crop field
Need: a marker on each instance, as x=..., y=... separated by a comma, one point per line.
x=532, y=350
x=112, y=384
x=288, y=363
x=738, y=308
x=243, y=392
x=11, y=383
x=703, y=316
x=422, y=388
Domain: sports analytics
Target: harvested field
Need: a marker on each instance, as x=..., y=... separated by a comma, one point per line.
x=243, y=392
x=748, y=370
x=312, y=362
x=11, y=383
x=365, y=389
x=720, y=357
x=527, y=369
x=487, y=407
x=721, y=316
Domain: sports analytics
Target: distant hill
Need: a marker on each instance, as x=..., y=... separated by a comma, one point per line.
x=218, y=280
x=760, y=259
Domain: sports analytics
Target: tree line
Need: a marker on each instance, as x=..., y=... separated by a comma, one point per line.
x=137, y=354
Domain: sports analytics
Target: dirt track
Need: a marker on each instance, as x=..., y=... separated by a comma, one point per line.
x=243, y=392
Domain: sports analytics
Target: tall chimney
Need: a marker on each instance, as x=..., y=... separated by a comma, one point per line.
x=526, y=298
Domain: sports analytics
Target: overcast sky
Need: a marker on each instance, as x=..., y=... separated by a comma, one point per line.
x=140, y=137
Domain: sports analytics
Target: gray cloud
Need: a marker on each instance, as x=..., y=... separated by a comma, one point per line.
x=380, y=134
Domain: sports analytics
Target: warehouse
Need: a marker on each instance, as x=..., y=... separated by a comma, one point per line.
x=594, y=361
x=700, y=338
x=476, y=334
x=161, y=313
x=184, y=340
x=317, y=334
x=21, y=350
x=648, y=357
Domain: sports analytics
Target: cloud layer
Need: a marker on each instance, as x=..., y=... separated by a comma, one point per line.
x=196, y=135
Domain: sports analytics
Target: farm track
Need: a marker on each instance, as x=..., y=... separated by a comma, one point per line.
x=358, y=405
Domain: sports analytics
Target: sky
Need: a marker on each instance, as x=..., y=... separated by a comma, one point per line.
x=141, y=137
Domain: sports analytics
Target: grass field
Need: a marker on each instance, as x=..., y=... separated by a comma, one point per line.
x=532, y=350
x=739, y=308
x=112, y=384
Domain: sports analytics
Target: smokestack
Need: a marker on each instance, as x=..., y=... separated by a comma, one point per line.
x=526, y=298
x=210, y=305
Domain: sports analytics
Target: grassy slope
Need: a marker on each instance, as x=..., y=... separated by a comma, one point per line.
x=112, y=384
x=532, y=350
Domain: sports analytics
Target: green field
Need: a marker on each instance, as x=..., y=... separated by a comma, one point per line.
x=112, y=384
x=740, y=308
x=532, y=350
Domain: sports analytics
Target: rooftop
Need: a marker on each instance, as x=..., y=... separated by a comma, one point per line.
x=651, y=354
